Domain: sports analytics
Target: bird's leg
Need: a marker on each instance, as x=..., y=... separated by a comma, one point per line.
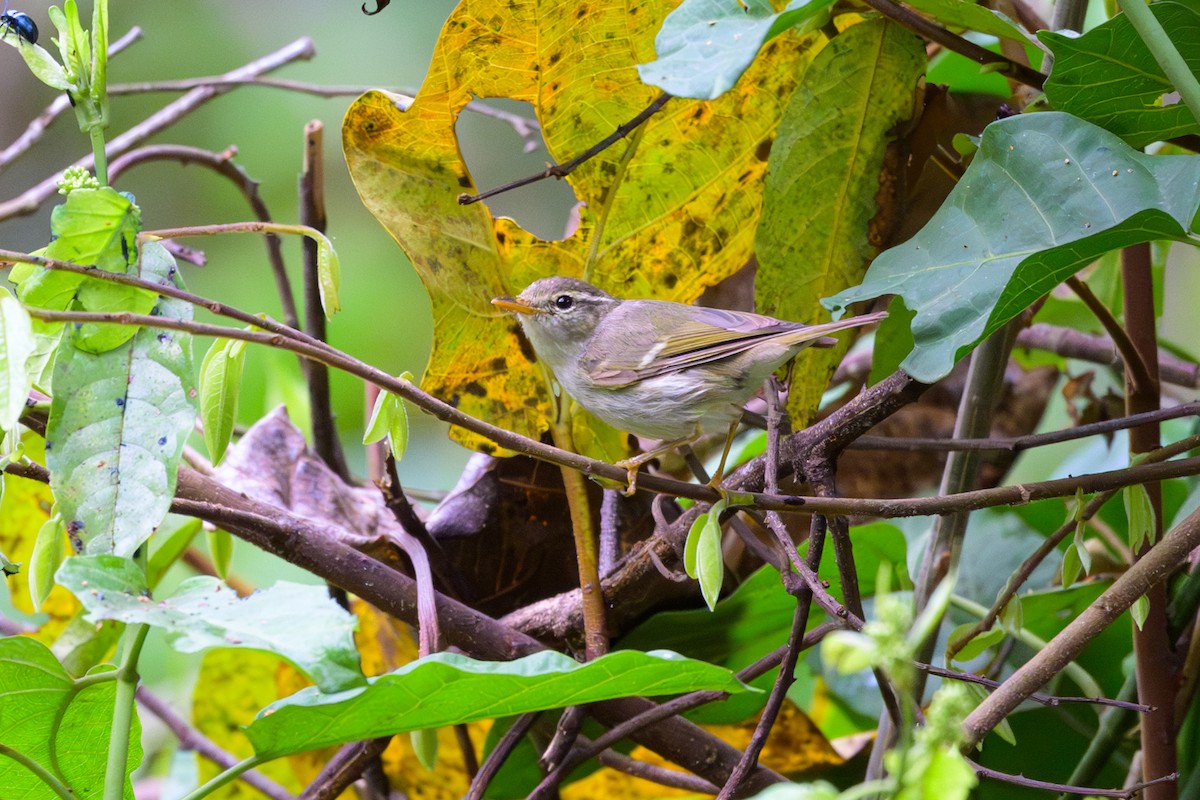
x=719, y=475
x=632, y=465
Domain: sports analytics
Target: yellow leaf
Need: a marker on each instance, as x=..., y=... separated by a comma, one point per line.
x=670, y=210
x=25, y=508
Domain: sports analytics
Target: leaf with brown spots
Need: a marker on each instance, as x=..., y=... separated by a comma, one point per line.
x=670, y=210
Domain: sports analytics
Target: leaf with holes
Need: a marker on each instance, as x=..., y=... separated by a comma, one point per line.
x=671, y=209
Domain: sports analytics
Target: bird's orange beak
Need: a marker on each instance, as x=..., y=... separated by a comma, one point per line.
x=514, y=305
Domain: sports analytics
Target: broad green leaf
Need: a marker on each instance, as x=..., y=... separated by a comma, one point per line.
x=94, y=227
x=110, y=298
x=50, y=724
x=1046, y=194
x=299, y=622
x=446, y=689
x=118, y=423
x=1108, y=75
x=48, y=553
x=670, y=210
x=833, y=141
x=16, y=346
x=41, y=64
x=220, y=388
x=704, y=46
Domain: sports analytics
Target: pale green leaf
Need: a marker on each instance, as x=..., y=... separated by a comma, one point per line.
x=118, y=423
x=220, y=389
x=1140, y=610
x=220, y=547
x=302, y=623
x=49, y=550
x=425, y=747
x=16, y=346
x=704, y=46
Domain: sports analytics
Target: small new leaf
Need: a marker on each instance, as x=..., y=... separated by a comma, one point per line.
x=976, y=644
x=1140, y=610
x=702, y=553
x=389, y=418
x=425, y=747
x=329, y=275
x=47, y=557
x=220, y=388
x=1140, y=515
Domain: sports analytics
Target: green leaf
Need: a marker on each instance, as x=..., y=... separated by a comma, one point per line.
x=832, y=141
x=1108, y=75
x=1140, y=610
x=977, y=644
x=446, y=689
x=220, y=547
x=118, y=423
x=389, y=418
x=61, y=730
x=41, y=64
x=1071, y=565
x=94, y=227
x=16, y=346
x=704, y=46
x=220, y=388
x=299, y=622
x=702, y=557
x=8, y=567
x=425, y=747
x=1140, y=515
x=329, y=275
x=48, y=553
x=168, y=543
x=1045, y=195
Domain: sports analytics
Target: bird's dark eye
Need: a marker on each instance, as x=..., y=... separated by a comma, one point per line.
x=564, y=302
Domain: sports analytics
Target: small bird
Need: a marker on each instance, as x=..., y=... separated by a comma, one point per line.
x=658, y=369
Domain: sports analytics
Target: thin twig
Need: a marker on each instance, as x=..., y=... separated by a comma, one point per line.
x=222, y=164
x=565, y=169
x=1033, y=783
x=500, y=753
x=1139, y=373
x=191, y=738
x=38, y=125
x=1018, y=494
x=935, y=33
x=1049, y=700
x=1016, y=444
x=31, y=199
x=312, y=213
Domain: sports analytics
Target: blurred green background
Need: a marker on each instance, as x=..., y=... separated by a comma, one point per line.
x=385, y=318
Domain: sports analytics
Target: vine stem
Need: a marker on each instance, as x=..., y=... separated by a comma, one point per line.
x=122, y=718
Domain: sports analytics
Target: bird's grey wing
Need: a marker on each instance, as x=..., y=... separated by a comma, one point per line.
x=674, y=338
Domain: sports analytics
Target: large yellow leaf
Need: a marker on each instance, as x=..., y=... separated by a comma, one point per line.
x=670, y=210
